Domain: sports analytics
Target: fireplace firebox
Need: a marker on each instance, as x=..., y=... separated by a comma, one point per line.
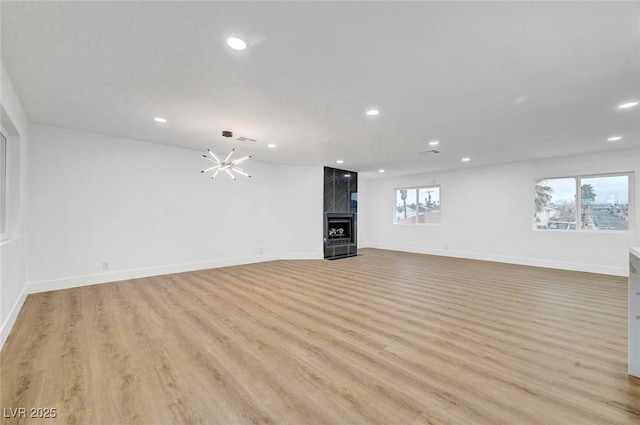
x=339, y=229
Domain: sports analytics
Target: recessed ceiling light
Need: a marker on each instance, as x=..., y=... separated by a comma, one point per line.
x=628, y=105
x=614, y=138
x=434, y=143
x=271, y=145
x=519, y=100
x=466, y=159
x=339, y=161
x=381, y=170
x=158, y=119
x=372, y=112
x=236, y=43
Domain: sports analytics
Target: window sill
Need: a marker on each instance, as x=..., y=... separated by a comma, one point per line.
x=581, y=231
x=416, y=224
x=9, y=240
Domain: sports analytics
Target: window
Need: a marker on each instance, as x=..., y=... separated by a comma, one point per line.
x=414, y=205
x=555, y=204
x=3, y=183
x=583, y=203
x=9, y=180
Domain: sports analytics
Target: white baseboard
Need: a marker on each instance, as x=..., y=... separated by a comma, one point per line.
x=116, y=276
x=301, y=256
x=76, y=281
x=8, y=323
x=579, y=267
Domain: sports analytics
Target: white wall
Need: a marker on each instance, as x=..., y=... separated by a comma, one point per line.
x=145, y=209
x=301, y=196
x=13, y=250
x=487, y=213
x=363, y=212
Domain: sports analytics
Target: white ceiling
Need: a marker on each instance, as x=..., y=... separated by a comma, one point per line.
x=498, y=82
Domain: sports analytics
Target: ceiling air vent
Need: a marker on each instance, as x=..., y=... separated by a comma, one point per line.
x=246, y=139
x=430, y=152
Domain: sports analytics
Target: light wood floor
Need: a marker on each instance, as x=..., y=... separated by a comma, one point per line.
x=384, y=338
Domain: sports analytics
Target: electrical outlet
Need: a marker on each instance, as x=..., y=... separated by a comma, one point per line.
x=261, y=250
x=446, y=247
x=105, y=265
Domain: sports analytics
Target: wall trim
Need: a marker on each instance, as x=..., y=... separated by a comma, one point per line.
x=578, y=267
x=116, y=276
x=301, y=256
x=8, y=323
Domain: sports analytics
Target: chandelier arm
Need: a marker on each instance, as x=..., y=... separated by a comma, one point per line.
x=213, y=155
x=209, y=169
x=230, y=175
x=229, y=156
x=240, y=171
x=238, y=161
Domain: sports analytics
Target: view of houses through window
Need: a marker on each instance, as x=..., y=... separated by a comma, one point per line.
x=582, y=203
x=415, y=205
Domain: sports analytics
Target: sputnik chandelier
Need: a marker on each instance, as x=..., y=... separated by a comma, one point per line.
x=227, y=165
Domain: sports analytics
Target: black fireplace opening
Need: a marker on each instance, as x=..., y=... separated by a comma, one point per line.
x=339, y=229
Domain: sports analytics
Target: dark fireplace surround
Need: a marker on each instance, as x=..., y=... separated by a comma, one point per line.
x=340, y=239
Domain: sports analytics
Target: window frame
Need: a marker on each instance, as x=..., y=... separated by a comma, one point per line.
x=13, y=180
x=4, y=186
x=578, y=179
x=417, y=188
